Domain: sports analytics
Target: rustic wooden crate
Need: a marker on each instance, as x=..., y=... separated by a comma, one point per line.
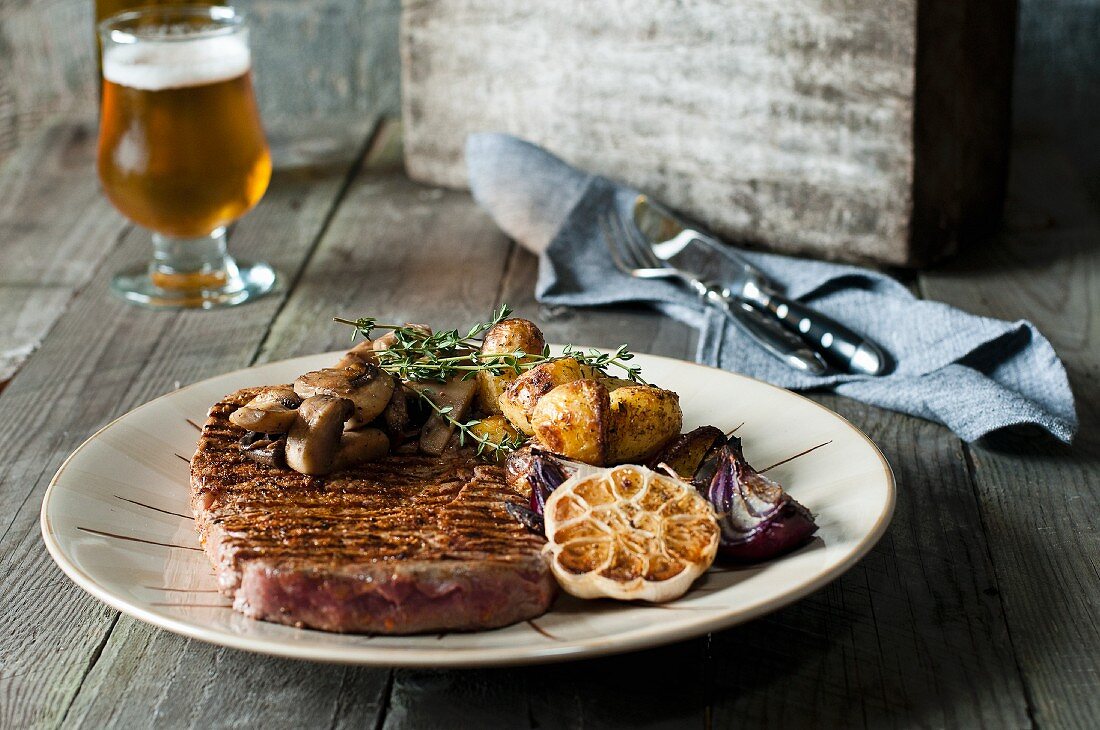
x=845, y=129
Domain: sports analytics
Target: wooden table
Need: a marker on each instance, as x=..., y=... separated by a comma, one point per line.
x=978, y=607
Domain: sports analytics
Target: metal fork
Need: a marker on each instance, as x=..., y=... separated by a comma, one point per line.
x=632, y=256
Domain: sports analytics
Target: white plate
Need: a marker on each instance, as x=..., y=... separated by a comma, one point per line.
x=116, y=519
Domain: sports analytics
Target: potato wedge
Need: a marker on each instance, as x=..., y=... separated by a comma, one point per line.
x=505, y=337
x=573, y=420
x=495, y=430
x=643, y=419
x=517, y=402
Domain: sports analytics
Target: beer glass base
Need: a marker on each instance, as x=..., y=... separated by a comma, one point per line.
x=244, y=282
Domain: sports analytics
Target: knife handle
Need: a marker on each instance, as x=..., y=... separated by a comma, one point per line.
x=768, y=334
x=842, y=347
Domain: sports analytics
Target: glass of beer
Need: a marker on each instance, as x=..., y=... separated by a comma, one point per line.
x=182, y=151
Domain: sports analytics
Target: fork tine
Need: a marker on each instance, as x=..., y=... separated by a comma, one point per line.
x=640, y=247
x=613, y=244
x=626, y=246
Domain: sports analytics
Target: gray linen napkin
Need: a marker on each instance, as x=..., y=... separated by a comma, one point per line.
x=973, y=374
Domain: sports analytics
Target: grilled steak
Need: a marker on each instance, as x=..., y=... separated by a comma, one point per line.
x=403, y=545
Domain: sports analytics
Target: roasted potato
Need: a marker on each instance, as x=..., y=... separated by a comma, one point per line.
x=505, y=337
x=573, y=420
x=613, y=384
x=643, y=419
x=517, y=402
x=496, y=430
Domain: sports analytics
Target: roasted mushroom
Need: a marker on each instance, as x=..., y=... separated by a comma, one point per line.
x=272, y=410
x=457, y=395
x=396, y=415
x=314, y=439
x=388, y=340
x=363, y=352
x=358, y=447
x=268, y=449
x=366, y=385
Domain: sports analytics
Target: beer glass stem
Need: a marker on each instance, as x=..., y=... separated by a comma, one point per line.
x=194, y=273
x=182, y=264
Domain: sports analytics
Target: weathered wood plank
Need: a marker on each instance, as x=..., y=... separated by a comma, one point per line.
x=56, y=227
x=1040, y=500
x=912, y=636
x=148, y=676
x=325, y=57
x=47, y=65
x=99, y=360
x=1056, y=93
x=659, y=688
x=396, y=250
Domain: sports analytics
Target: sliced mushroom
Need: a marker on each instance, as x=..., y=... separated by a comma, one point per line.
x=268, y=449
x=366, y=385
x=396, y=415
x=358, y=447
x=272, y=410
x=363, y=352
x=458, y=395
x=388, y=340
x=314, y=439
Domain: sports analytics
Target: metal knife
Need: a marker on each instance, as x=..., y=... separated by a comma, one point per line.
x=697, y=252
x=767, y=332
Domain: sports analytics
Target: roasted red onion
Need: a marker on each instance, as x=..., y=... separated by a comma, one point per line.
x=758, y=520
x=526, y=517
x=541, y=472
x=692, y=455
x=546, y=475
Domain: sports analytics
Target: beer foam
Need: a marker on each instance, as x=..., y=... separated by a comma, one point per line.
x=155, y=65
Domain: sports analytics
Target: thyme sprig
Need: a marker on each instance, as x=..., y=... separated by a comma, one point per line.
x=417, y=355
x=465, y=431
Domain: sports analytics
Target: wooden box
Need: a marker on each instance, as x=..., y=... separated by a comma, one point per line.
x=844, y=129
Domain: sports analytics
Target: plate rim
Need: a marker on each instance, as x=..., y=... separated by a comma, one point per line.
x=483, y=657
